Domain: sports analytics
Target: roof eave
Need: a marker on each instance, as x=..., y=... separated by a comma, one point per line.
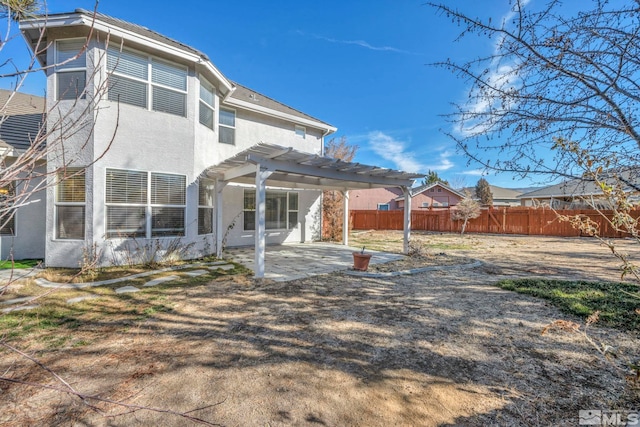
x=277, y=114
x=89, y=21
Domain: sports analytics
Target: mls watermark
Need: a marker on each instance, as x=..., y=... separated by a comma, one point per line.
x=596, y=417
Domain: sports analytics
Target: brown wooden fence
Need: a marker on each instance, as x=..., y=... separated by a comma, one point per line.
x=512, y=220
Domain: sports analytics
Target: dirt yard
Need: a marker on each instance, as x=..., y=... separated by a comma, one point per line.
x=438, y=348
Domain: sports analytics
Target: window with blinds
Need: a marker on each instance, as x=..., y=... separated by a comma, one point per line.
x=281, y=210
x=146, y=82
x=144, y=204
x=70, y=204
x=207, y=102
x=8, y=216
x=206, y=192
x=71, y=64
x=227, y=126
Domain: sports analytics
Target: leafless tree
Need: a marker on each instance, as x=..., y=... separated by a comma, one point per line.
x=24, y=173
x=558, y=97
x=465, y=210
x=332, y=200
x=553, y=72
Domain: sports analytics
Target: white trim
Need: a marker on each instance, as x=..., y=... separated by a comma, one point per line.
x=148, y=206
x=277, y=114
x=270, y=191
x=383, y=204
x=56, y=204
x=62, y=70
x=203, y=82
x=235, y=119
x=300, y=131
x=89, y=20
x=211, y=206
x=149, y=81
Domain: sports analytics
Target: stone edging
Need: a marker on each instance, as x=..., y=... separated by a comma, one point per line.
x=47, y=284
x=411, y=271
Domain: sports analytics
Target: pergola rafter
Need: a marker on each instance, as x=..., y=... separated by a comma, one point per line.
x=278, y=166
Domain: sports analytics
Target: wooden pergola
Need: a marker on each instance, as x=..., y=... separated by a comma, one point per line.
x=285, y=167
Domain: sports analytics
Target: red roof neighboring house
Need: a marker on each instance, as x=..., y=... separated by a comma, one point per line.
x=433, y=196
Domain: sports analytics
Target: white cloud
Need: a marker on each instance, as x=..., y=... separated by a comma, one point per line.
x=474, y=172
x=360, y=43
x=397, y=152
x=503, y=76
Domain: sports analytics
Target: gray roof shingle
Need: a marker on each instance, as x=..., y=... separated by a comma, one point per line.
x=22, y=118
x=241, y=92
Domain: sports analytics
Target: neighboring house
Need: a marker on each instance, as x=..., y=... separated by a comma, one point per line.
x=581, y=194
x=437, y=195
x=501, y=196
x=168, y=148
x=22, y=119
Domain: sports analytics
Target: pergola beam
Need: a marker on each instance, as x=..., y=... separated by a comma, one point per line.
x=288, y=168
x=374, y=177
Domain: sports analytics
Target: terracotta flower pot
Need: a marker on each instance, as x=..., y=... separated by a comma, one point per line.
x=361, y=261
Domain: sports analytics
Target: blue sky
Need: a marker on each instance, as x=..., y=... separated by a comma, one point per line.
x=361, y=66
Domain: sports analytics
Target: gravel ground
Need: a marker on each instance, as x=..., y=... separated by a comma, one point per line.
x=443, y=347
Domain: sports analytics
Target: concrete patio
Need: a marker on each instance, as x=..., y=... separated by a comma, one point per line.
x=300, y=260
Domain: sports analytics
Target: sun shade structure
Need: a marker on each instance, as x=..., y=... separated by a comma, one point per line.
x=277, y=166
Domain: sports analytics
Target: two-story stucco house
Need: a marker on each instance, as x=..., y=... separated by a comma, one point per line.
x=170, y=148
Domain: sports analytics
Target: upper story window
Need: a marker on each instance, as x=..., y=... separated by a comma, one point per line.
x=71, y=68
x=207, y=102
x=147, y=82
x=383, y=206
x=301, y=131
x=227, y=126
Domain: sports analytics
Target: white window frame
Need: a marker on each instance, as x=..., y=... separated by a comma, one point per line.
x=70, y=173
x=300, y=131
x=204, y=104
x=206, y=209
x=150, y=84
x=288, y=223
x=383, y=204
x=148, y=206
x=66, y=68
x=425, y=204
x=220, y=125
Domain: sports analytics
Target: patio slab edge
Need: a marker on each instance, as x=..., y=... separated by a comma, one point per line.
x=411, y=271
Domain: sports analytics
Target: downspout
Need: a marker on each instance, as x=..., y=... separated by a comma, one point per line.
x=233, y=89
x=324, y=134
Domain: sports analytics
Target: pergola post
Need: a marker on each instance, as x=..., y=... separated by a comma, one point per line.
x=345, y=217
x=219, y=186
x=407, y=218
x=260, y=228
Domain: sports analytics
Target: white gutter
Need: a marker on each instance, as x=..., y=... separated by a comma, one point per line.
x=273, y=113
x=97, y=24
